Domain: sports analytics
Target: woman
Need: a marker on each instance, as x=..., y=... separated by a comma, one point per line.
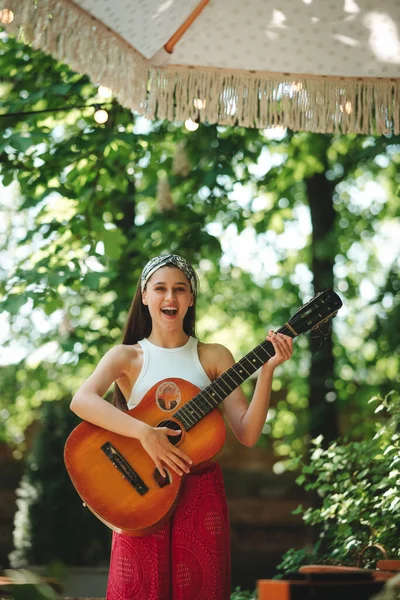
x=188, y=558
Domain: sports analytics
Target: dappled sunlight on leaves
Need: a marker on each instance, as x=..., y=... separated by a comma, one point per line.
x=358, y=484
x=88, y=217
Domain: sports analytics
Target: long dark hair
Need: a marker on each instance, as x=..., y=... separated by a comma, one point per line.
x=138, y=326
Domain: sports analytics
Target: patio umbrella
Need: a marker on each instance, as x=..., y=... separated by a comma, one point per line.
x=309, y=65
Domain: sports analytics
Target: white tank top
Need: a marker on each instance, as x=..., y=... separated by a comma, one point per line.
x=162, y=363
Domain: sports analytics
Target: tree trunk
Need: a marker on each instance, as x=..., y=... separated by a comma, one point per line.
x=323, y=408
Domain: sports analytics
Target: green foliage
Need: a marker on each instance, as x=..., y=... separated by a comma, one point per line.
x=357, y=485
x=239, y=594
x=51, y=525
x=391, y=590
x=89, y=204
x=29, y=585
x=89, y=211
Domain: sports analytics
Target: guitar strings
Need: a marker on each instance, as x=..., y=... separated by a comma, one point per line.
x=221, y=387
x=322, y=335
x=209, y=398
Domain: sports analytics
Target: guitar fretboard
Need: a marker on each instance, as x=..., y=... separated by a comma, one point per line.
x=212, y=395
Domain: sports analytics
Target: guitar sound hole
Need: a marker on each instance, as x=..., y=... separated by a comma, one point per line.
x=174, y=439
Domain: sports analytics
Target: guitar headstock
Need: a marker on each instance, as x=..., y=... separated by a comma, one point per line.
x=320, y=309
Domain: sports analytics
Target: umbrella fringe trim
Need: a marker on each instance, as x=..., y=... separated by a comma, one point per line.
x=248, y=99
x=300, y=103
x=71, y=35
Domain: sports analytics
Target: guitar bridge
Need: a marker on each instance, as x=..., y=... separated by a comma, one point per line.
x=125, y=468
x=160, y=480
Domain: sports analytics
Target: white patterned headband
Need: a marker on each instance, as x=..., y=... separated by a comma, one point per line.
x=167, y=259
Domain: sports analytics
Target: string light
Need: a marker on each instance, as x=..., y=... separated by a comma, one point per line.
x=347, y=108
x=297, y=86
x=199, y=103
x=101, y=116
x=104, y=92
x=97, y=106
x=6, y=16
x=191, y=125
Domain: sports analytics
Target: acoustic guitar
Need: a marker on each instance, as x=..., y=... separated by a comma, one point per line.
x=115, y=476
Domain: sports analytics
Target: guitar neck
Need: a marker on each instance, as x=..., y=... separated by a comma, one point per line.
x=212, y=395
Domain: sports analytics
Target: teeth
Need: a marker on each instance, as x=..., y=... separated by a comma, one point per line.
x=170, y=311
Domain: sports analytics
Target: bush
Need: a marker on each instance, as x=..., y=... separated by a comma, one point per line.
x=28, y=585
x=239, y=594
x=358, y=486
x=391, y=590
x=51, y=525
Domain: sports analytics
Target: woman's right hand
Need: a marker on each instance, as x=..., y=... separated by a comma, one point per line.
x=157, y=445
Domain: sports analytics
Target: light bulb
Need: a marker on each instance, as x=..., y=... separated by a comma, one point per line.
x=101, y=116
x=191, y=125
x=297, y=86
x=104, y=92
x=347, y=107
x=199, y=103
x=6, y=16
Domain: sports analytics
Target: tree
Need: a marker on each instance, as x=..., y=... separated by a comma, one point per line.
x=98, y=200
x=50, y=525
x=328, y=173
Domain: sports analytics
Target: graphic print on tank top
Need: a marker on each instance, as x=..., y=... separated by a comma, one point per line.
x=168, y=396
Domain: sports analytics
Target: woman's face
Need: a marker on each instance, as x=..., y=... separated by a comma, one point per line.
x=168, y=296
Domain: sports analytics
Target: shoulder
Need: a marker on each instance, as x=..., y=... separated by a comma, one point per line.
x=215, y=358
x=116, y=363
x=214, y=350
x=122, y=354
x=122, y=350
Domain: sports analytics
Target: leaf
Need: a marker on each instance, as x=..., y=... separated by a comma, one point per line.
x=20, y=142
x=60, y=89
x=55, y=278
x=14, y=303
x=113, y=240
x=318, y=440
x=7, y=178
x=92, y=280
x=51, y=305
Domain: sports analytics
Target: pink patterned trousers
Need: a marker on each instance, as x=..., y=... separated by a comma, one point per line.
x=188, y=558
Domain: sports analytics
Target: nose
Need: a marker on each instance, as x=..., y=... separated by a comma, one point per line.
x=170, y=293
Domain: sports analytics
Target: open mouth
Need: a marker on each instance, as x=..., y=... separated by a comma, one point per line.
x=170, y=312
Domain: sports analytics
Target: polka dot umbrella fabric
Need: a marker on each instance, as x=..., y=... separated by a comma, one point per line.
x=359, y=38
x=305, y=64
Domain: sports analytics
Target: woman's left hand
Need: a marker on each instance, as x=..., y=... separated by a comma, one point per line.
x=283, y=346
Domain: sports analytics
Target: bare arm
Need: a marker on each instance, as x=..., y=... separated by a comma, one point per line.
x=88, y=403
x=247, y=420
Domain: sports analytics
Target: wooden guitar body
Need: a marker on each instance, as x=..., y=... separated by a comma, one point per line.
x=118, y=480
